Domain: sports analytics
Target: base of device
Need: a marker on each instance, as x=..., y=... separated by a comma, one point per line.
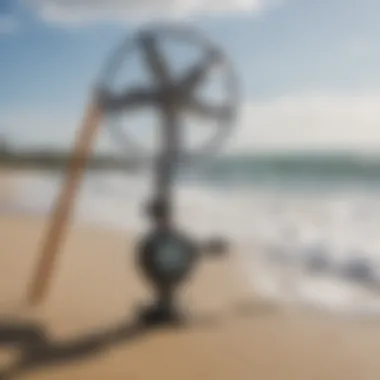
x=160, y=314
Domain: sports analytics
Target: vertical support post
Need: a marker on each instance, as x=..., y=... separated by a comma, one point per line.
x=165, y=172
x=166, y=162
x=64, y=207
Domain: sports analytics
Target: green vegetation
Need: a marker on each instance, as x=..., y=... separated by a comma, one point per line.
x=57, y=160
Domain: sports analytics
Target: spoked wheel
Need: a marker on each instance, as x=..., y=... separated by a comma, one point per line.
x=168, y=90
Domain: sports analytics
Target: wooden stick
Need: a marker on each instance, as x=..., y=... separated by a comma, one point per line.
x=64, y=207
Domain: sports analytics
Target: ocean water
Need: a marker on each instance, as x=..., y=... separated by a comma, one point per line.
x=305, y=229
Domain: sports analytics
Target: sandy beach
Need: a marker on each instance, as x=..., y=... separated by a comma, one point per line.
x=85, y=329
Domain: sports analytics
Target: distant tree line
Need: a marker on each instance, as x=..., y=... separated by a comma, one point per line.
x=55, y=160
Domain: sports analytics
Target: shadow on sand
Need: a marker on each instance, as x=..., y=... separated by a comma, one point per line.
x=38, y=350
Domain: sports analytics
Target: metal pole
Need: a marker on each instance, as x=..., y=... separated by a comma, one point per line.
x=165, y=173
x=165, y=167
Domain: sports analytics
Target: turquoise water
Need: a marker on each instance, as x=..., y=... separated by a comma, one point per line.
x=324, y=170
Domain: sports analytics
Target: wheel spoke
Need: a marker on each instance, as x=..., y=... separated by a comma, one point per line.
x=198, y=73
x=154, y=59
x=138, y=97
x=220, y=113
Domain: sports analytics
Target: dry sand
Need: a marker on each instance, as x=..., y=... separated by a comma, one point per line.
x=84, y=330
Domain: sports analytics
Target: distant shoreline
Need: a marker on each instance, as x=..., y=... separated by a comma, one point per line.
x=60, y=161
x=258, y=167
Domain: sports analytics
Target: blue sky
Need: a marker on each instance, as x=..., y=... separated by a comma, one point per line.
x=309, y=69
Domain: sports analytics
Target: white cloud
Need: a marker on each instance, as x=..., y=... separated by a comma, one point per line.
x=310, y=122
x=79, y=11
x=7, y=25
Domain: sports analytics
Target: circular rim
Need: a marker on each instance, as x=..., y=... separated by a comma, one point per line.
x=184, y=34
x=148, y=252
